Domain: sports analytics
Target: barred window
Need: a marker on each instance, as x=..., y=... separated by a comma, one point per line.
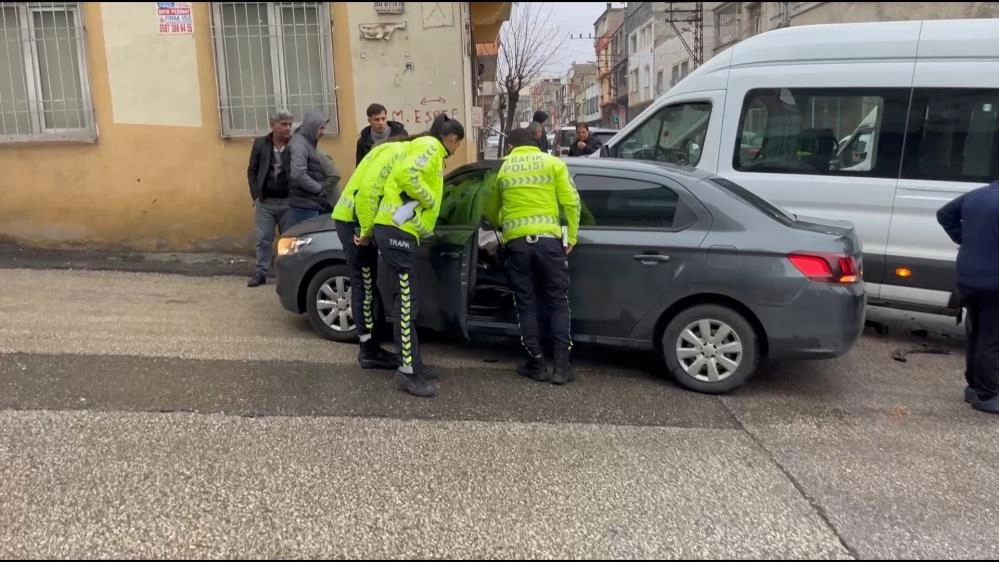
x=271, y=56
x=44, y=92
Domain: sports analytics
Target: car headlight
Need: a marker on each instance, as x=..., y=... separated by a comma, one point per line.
x=288, y=246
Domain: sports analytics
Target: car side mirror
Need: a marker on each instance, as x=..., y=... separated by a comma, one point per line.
x=605, y=151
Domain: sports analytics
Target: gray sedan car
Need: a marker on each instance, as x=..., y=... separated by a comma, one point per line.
x=669, y=259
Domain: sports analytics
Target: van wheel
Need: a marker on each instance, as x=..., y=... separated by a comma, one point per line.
x=327, y=303
x=710, y=349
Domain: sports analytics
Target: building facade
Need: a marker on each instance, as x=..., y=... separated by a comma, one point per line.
x=608, y=30
x=129, y=125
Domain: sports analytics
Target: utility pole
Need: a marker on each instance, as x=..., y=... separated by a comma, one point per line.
x=695, y=19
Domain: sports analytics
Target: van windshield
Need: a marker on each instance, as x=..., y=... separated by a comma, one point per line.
x=754, y=200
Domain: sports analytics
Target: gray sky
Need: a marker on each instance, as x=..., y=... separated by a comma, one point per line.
x=576, y=18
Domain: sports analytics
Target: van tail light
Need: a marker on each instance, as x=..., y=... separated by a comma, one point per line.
x=826, y=268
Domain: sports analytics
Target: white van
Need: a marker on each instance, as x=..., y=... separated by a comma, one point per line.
x=877, y=123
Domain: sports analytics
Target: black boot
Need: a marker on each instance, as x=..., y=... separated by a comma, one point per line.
x=417, y=385
x=534, y=368
x=372, y=356
x=563, y=372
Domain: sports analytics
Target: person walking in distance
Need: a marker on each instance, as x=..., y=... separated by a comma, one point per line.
x=972, y=222
x=354, y=216
x=410, y=205
x=379, y=130
x=532, y=189
x=267, y=174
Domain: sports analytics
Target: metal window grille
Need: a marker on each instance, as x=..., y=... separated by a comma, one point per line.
x=44, y=92
x=272, y=56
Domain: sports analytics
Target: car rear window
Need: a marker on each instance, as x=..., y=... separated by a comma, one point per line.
x=754, y=200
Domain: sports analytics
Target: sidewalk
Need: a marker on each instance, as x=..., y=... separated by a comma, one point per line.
x=17, y=256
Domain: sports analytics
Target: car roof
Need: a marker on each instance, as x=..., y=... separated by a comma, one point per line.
x=592, y=129
x=687, y=173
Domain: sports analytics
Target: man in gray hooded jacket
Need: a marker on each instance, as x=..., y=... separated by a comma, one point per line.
x=308, y=176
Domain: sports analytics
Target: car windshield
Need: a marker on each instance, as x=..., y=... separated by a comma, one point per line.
x=754, y=200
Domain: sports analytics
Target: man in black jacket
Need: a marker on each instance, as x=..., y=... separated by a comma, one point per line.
x=267, y=174
x=379, y=129
x=537, y=128
x=972, y=222
x=584, y=143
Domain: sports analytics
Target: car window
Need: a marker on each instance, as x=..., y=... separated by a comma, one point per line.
x=465, y=198
x=624, y=202
x=675, y=134
x=850, y=131
x=754, y=200
x=953, y=135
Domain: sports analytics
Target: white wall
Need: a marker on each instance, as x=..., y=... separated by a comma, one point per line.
x=419, y=71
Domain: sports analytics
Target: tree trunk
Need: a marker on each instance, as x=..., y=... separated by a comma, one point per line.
x=511, y=112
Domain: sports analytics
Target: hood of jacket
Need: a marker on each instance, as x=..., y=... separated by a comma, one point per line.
x=310, y=125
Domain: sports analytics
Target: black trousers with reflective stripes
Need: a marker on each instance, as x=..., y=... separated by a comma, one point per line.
x=398, y=249
x=363, y=263
x=982, y=368
x=539, y=277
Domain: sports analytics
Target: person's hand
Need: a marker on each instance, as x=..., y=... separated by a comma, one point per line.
x=362, y=240
x=568, y=249
x=580, y=145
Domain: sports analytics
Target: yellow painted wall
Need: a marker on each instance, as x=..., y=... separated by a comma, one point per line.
x=160, y=177
x=159, y=186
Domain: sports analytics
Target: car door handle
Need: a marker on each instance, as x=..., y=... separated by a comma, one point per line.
x=451, y=255
x=650, y=259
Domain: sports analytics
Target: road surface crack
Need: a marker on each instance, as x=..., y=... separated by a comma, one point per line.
x=819, y=509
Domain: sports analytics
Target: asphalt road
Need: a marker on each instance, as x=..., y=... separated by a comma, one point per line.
x=148, y=415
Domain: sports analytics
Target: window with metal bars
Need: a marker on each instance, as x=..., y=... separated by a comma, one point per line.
x=44, y=92
x=272, y=55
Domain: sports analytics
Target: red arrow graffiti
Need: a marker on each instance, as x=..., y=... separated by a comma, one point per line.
x=425, y=101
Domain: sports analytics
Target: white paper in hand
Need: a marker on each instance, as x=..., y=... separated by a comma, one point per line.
x=405, y=213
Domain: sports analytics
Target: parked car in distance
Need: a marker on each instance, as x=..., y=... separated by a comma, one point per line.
x=669, y=259
x=565, y=136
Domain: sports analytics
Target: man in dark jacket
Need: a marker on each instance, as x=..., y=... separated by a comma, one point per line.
x=267, y=176
x=379, y=129
x=307, y=196
x=584, y=143
x=972, y=222
x=537, y=128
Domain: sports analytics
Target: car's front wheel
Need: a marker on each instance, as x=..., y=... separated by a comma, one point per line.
x=327, y=301
x=710, y=348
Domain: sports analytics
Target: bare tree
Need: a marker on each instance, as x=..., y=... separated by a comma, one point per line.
x=529, y=44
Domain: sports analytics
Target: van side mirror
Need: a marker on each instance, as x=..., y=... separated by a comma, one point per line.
x=605, y=151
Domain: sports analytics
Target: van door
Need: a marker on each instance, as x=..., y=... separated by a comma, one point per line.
x=952, y=147
x=686, y=130
x=796, y=117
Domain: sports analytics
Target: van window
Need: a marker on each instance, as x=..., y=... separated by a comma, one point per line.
x=675, y=134
x=841, y=131
x=623, y=202
x=953, y=135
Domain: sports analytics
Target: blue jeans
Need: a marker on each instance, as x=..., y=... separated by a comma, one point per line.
x=268, y=213
x=299, y=215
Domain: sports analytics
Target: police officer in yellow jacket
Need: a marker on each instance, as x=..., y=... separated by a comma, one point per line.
x=531, y=188
x=410, y=205
x=354, y=217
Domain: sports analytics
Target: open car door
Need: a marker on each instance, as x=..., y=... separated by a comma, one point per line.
x=446, y=261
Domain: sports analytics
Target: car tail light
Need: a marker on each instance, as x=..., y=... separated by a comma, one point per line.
x=826, y=268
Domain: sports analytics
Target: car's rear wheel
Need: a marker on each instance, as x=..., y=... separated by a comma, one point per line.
x=710, y=348
x=328, y=304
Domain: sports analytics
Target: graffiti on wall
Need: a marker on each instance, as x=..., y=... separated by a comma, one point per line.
x=422, y=112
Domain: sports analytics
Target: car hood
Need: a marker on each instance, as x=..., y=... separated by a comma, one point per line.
x=322, y=223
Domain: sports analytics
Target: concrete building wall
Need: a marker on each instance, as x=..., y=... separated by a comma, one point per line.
x=160, y=174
